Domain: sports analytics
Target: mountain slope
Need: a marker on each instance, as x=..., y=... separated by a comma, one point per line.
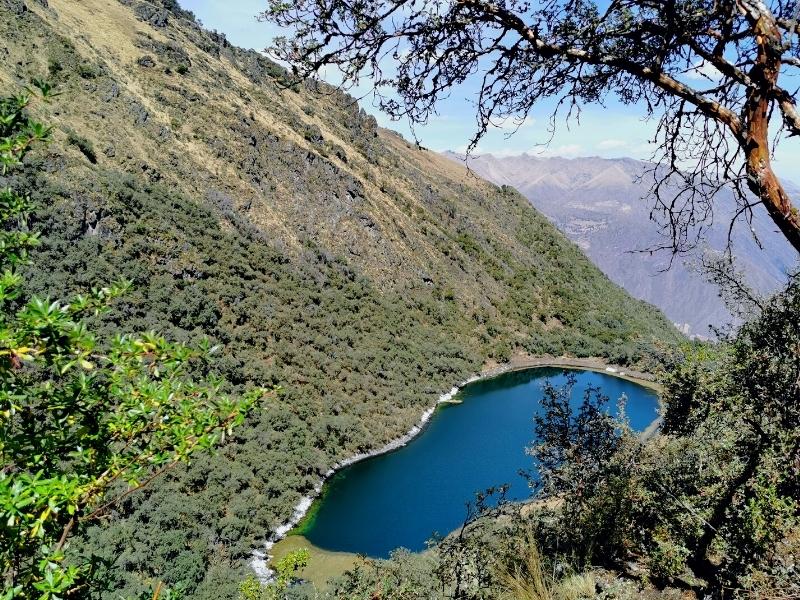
x=322, y=253
x=602, y=206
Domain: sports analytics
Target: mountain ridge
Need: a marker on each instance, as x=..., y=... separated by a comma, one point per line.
x=601, y=205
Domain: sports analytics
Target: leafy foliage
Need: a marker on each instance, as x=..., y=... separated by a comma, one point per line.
x=579, y=462
x=712, y=499
x=568, y=439
x=83, y=421
x=405, y=576
x=743, y=403
x=285, y=573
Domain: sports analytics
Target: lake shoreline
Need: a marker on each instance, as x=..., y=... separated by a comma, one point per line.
x=261, y=557
x=521, y=363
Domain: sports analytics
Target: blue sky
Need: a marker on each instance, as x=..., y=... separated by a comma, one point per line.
x=611, y=131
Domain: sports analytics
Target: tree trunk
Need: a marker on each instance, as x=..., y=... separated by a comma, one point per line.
x=763, y=183
x=761, y=178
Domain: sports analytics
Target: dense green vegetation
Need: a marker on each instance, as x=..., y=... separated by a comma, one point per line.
x=361, y=274
x=344, y=377
x=708, y=505
x=286, y=570
x=84, y=421
x=365, y=277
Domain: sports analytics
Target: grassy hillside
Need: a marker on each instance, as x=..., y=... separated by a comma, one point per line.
x=364, y=275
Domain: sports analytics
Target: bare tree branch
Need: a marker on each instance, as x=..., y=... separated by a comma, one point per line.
x=712, y=139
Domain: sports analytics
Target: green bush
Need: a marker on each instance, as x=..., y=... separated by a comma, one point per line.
x=84, y=421
x=87, y=71
x=667, y=560
x=83, y=144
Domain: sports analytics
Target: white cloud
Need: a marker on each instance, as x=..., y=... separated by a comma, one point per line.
x=513, y=124
x=506, y=152
x=565, y=150
x=611, y=144
x=481, y=150
x=704, y=71
x=462, y=149
x=526, y=122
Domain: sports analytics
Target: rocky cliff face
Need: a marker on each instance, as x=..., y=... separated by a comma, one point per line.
x=602, y=206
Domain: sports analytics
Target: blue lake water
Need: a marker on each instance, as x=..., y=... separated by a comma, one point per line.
x=403, y=498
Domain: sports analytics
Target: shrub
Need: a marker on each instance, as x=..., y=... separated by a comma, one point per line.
x=667, y=560
x=87, y=71
x=83, y=144
x=84, y=421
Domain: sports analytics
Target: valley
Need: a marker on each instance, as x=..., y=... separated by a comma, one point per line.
x=604, y=206
x=321, y=253
x=251, y=342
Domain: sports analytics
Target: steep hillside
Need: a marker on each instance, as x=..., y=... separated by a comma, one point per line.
x=601, y=205
x=322, y=253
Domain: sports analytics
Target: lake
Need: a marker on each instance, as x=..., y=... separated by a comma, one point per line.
x=402, y=498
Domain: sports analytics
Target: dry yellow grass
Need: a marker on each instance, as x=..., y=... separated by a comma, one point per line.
x=111, y=35
x=530, y=579
x=323, y=564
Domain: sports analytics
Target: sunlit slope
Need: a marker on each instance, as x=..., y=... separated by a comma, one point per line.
x=364, y=275
x=179, y=107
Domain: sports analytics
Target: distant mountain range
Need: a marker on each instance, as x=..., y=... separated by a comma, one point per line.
x=600, y=204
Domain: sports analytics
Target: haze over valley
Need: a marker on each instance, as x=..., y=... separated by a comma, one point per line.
x=256, y=346
x=604, y=206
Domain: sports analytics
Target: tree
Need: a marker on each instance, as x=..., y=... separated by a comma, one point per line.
x=745, y=398
x=583, y=457
x=714, y=494
x=286, y=570
x=84, y=422
x=711, y=136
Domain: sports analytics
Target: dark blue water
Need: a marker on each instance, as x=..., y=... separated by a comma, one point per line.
x=403, y=498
